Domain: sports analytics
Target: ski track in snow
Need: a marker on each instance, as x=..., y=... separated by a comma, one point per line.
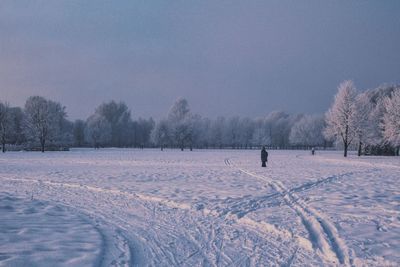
x=125, y=249
x=287, y=194
x=323, y=234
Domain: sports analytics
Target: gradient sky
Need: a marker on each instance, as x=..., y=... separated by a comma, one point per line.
x=226, y=57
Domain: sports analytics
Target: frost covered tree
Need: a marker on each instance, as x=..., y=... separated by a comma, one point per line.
x=361, y=120
x=16, y=134
x=141, y=131
x=308, y=131
x=231, y=133
x=217, y=132
x=261, y=133
x=179, y=122
x=375, y=127
x=246, y=132
x=4, y=124
x=65, y=137
x=373, y=140
x=340, y=117
x=195, y=127
x=79, y=133
x=273, y=129
x=160, y=134
x=118, y=116
x=202, y=132
x=391, y=120
x=181, y=128
x=11, y=125
x=278, y=125
x=125, y=132
x=43, y=119
x=98, y=130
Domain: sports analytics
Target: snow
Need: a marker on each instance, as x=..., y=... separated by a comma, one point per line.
x=37, y=232
x=126, y=207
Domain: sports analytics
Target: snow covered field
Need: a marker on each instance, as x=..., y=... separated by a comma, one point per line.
x=203, y=208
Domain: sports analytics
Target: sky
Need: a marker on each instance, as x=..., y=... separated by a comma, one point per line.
x=226, y=58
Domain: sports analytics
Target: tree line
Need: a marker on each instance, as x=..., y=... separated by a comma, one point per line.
x=369, y=120
x=42, y=124
x=180, y=128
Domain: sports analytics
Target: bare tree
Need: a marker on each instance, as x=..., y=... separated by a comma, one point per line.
x=340, y=117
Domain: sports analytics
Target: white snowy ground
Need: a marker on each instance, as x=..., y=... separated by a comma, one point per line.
x=202, y=208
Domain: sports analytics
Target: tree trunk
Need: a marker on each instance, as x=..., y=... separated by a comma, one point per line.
x=359, y=148
x=3, y=142
x=42, y=143
x=345, y=141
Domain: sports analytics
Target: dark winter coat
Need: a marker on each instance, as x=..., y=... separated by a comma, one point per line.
x=264, y=155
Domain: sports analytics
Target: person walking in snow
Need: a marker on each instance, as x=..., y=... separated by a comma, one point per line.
x=264, y=157
x=313, y=151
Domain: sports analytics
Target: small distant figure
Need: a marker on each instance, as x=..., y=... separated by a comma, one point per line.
x=312, y=151
x=264, y=157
